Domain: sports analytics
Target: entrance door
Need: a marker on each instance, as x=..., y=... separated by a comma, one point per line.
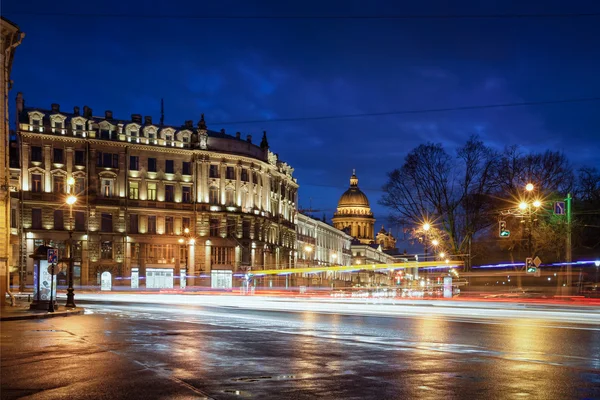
x=106, y=281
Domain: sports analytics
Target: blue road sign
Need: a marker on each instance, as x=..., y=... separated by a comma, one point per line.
x=559, y=208
x=52, y=256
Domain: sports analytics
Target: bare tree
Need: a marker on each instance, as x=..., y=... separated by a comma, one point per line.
x=452, y=192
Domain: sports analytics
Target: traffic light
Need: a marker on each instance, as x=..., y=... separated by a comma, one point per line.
x=503, y=232
x=530, y=266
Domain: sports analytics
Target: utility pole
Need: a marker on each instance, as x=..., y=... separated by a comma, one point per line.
x=569, y=246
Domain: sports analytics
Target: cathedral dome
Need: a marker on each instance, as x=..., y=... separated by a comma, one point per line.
x=353, y=197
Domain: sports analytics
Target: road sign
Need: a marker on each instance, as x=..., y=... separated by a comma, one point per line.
x=559, y=208
x=537, y=262
x=52, y=256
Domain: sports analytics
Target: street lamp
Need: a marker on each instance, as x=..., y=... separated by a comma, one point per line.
x=334, y=256
x=71, y=200
x=308, y=249
x=426, y=226
x=529, y=187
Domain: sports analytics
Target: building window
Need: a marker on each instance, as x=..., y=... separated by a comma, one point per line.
x=169, y=193
x=107, y=187
x=79, y=185
x=152, y=191
x=221, y=255
x=230, y=173
x=186, y=168
x=244, y=175
x=185, y=139
x=13, y=218
x=214, y=227
x=105, y=134
x=58, y=156
x=168, y=138
x=134, y=163
x=213, y=195
x=186, y=194
x=169, y=225
x=79, y=157
x=79, y=221
x=133, y=223
x=133, y=133
x=151, y=164
x=78, y=127
x=59, y=222
x=213, y=172
x=133, y=190
x=107, y=160
x=36, y=183
x=185, y=223
x=169, y=167
x=58, y=184
x=58, y=124
x=152, y=224
x=36, y=153
x=36, y=218
x=106, y=251
x=246, y=229
x=255, y=178
x=230, y=197
x=106, y=224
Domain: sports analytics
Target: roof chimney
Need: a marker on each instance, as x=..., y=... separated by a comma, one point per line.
x=238, y=135
x=137, y=118
x=249, y=138
x=76, y=111
x=147, y=120
x=55, y=107
x=87, y=112
x=189, y=124
x=108, y=114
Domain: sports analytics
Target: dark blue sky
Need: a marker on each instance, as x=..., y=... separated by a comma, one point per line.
x=254, y=69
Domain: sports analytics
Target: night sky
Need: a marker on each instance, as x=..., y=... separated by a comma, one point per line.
x=256, y=69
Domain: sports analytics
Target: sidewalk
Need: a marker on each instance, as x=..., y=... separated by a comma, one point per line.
x=21, y=311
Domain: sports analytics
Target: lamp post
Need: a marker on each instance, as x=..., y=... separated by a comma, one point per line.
x=186, y=241
x=528, y=208
x=71, y=200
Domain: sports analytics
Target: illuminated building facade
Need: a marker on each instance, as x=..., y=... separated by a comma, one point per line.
x=354, y=213
x=153, y=201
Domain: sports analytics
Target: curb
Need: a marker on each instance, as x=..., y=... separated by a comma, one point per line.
x=78, y=311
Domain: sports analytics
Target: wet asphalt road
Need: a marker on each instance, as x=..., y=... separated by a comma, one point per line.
x=124, y=350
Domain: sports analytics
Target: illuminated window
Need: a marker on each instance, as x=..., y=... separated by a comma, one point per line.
x=186, y=194
x=133, y=190
x=107, y=187
x=152, y=191
x=106, y=251
x=185, y=223
x=36, y=183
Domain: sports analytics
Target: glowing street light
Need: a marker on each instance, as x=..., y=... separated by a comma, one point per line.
x=435, y=242
x=537, y=203
x=426, y=226
x=529, y=187
x=442, y=254
x=523, y=205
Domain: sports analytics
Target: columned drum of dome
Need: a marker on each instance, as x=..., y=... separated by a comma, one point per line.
x=354, y=213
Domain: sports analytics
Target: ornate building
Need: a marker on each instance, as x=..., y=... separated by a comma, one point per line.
x=386, y=240
x=153, y=201
x=354, y=213
x=10, y=38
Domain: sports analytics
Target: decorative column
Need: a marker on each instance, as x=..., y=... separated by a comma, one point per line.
x=25, y=166
x=69, y=162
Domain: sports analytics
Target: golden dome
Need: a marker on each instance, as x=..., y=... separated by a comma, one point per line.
x=353, y=197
